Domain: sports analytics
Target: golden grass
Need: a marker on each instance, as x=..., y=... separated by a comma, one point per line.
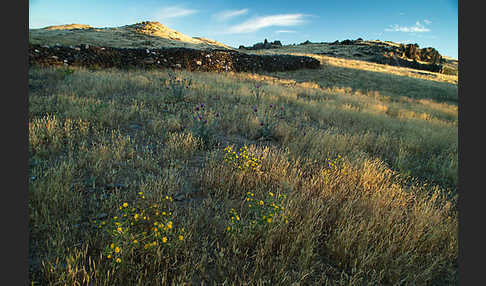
x=370, y=178
x=361, y=65
x=141, y=35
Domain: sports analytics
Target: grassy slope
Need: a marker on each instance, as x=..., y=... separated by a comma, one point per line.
x=365, y=155
x=153, y=35
x=364, y=158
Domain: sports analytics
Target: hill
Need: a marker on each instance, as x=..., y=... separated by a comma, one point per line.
x=375, y=51
x=140, y=35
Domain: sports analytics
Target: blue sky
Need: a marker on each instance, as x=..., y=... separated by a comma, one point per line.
x=432, y=23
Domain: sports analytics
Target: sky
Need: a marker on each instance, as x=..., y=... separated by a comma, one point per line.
x=432, y=23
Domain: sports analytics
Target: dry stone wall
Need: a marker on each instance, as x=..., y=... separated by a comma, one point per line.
x=181, y=58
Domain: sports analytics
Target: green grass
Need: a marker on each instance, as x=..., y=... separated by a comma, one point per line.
x=365, y=181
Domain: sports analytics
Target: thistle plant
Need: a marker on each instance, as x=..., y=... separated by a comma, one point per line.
x=268, y=118
x=178, y=86
x=205, y=123
x=139, y=229
x=258, y=91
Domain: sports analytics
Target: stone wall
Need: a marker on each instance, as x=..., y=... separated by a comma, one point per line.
x=182, y=58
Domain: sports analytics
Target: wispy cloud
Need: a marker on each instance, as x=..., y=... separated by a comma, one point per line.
x=228, y=14
x=258, y=23
x=417, y=28
x=173, y=12
x=428, y=22
x=285, y=31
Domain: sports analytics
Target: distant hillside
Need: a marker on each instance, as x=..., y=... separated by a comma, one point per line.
x=140, y=35
x=381, y=52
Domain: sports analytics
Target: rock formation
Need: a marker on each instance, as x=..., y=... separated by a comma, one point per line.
x=265, y=45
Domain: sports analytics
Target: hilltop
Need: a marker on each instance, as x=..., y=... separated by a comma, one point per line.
x=139, y=35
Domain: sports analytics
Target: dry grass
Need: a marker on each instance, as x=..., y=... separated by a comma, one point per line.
x=141, y=35
x=349, y=62
x=370, y=178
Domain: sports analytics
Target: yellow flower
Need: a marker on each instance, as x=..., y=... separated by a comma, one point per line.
x=181, y=237
x=270, y=193
x=228, y=228
x=119, y=229
x=237, y=218
x=164, y=239
x=125, y=205
x=269, y=220
x=135, y=216
x=117, y=249
x=112, y=245
x=135, y=241
x=118, y=260
x=261, y=203
x=109, y=256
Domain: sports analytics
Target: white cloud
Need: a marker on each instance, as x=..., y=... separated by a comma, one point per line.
x=173, y=12
x=285, y=31
x=225, y=15
x=256, y=24
x=427, y=22
x=417, y=28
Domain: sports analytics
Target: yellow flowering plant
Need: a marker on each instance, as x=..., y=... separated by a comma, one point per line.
x=242, y=159
x=261, y=213
x=139, y=228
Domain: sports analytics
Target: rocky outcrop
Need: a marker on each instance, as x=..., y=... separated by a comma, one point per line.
x=409, y=55
x=412, y=51
x=181, y=58
x=265, y=45
x=307, y=42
